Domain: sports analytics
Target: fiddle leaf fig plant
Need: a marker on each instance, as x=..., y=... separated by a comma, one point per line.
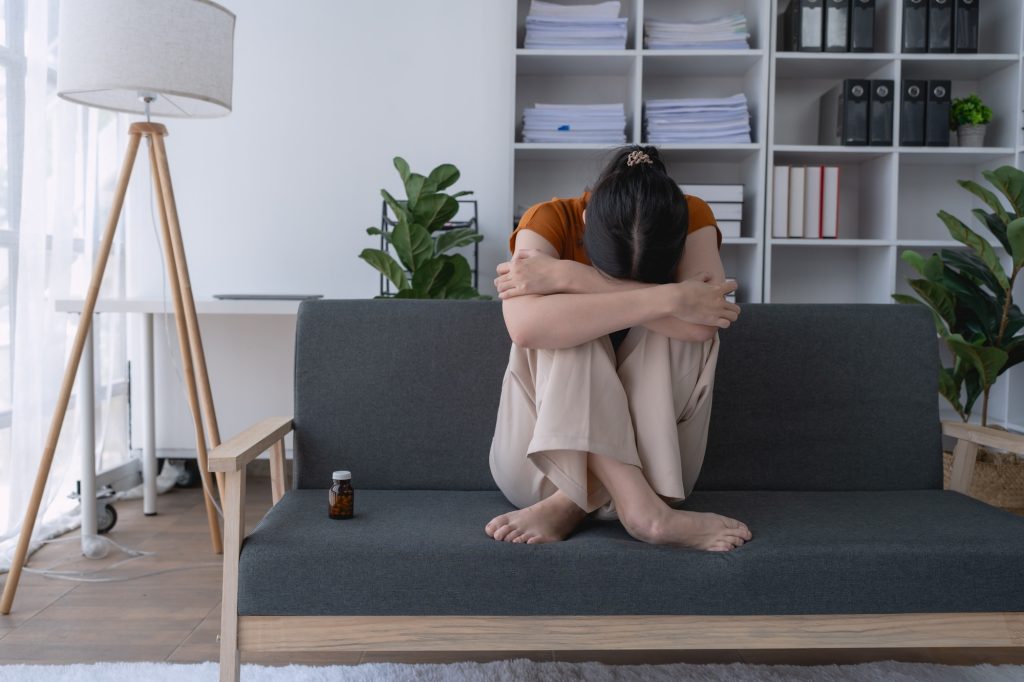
x=425, y=268
x=970, y=293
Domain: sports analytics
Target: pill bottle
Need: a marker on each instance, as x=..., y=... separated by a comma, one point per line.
x=341, y=496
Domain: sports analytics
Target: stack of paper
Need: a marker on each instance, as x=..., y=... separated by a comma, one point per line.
x=594, y=123
x=723, y=33
x=708, y=120
x=550, y=26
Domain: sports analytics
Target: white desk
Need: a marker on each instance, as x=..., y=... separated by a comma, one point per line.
x=147, y=307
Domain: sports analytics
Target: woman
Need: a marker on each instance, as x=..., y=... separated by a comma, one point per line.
x=606, y=400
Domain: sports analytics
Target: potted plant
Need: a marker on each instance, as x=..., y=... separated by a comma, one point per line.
x=424, y=268
x=969, y=116
x=970, y=295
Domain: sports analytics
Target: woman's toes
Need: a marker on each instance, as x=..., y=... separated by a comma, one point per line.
x=495, y=523
x=511, y=537
x=502, y=532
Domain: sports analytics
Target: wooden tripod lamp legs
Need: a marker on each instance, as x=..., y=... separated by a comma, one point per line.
x=188, y=339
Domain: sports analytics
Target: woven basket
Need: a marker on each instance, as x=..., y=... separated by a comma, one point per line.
x=998, y=478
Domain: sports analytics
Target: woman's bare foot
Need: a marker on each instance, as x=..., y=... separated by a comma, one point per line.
x=647, y=517
x=549, y=520
x=698, y=530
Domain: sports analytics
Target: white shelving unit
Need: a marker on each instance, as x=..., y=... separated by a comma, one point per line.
x=889, y=196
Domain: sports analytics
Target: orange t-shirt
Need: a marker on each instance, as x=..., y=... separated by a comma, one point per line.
x=560, y=221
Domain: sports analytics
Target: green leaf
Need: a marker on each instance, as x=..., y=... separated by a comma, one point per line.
x=412, y=244
x=1015, y=235
x=908, y=300
x=950, y=388
x=930, y=268
x=937, y=297
x=988, y=197
x=434, y=210
x=385, y=264
x=407, y=293
x=402, y=166
x=461, y=274
x=974, y=269
x=985, y=360
x=400, y=211
x=457, y=238
x=978, y=244
x=414, y=189
x=427, y=277
x=444, y=176
x=996, y=226
x=373, y=230
x=462, y=194
x=1010, y=181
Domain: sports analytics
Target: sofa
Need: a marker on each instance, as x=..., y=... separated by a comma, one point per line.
x=825, y=439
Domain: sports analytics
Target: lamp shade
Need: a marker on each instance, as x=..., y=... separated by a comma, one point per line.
x=110, y=52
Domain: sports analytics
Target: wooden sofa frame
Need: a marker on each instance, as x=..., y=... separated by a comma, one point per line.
x=523, y=633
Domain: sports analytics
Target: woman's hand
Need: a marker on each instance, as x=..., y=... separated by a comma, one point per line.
x=698, y=300
x=530, y=271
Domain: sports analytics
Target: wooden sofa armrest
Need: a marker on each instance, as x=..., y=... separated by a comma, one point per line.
x=965, y=454
x=235, y=453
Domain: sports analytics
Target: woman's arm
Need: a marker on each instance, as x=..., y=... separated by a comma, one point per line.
x=551, y=275
x=562, y=320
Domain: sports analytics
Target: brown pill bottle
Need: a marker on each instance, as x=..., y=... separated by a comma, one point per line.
x=341, y=495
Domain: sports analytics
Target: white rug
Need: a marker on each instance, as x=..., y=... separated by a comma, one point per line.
x=518, y=670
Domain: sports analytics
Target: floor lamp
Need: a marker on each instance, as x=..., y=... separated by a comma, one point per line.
x=158, y=57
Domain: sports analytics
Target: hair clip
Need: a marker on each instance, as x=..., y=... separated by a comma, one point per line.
x=637, y=157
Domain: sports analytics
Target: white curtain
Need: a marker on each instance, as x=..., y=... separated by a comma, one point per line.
x=70, y=155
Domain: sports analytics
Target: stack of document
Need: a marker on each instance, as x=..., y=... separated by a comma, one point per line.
x=723, y=33
x=593, y=123
x=707, y=120
x=550, y=26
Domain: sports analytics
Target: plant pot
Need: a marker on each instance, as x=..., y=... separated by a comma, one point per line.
x=971, y=135
x=998, y=478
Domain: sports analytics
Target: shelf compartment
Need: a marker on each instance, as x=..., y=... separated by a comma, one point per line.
x=866, y=200
x=859, y=275
x=798, y=100
x=558, y=88
x=757, y=13
x=687, y=170
x=934, y=187
x=630, y=9
x=830, y=64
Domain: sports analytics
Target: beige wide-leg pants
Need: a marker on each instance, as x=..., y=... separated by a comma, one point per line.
x=647, y=404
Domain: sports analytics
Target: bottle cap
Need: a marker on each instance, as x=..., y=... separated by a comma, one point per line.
x=342, y=475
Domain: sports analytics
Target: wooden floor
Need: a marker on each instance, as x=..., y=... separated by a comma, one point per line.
x=175, y=616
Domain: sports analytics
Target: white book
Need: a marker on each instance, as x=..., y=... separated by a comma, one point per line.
x=830, y=202
x=780, y=202
x=797, y=175
x=730, y=229
x=714, y=192
x=726, y=211
x=812, y=202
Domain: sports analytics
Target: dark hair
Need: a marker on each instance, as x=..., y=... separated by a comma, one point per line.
x=637, y=218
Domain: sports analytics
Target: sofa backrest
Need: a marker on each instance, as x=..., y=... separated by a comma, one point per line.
x=404, y=393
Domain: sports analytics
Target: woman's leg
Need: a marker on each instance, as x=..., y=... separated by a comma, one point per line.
x=556, y=406
x=669, y=384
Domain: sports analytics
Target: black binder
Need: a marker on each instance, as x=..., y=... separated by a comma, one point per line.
x=862, y=26
x=936, y=116
x=844, y=113
x=837, y=25
x=880, y=113
x=805, y=20
x=940, y=25
x=965, y=26
x=915, y=25
x=912, y=105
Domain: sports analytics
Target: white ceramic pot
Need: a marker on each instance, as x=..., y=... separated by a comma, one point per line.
x=971, y=135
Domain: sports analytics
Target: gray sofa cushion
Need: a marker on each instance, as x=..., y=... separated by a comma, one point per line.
x=807, y=397
x=420, y=552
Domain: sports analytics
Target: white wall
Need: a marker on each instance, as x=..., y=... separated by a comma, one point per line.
x=275, y=197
